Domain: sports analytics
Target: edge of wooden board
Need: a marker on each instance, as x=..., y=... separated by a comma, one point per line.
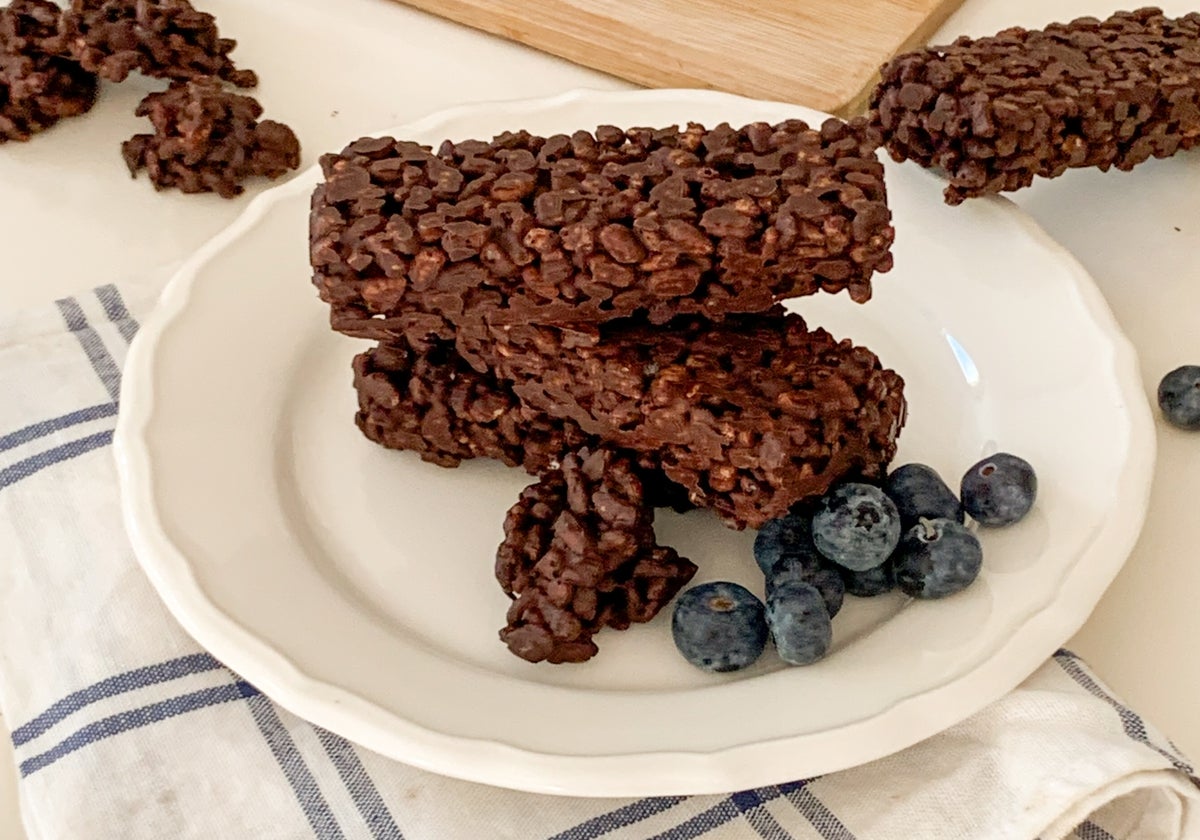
x=503, y=19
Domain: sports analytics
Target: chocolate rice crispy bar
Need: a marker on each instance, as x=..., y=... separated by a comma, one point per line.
x=166, y=39
x=993, y=113
x=38, y=87
x=579, y=554
x=749, y=416
x=589, y=228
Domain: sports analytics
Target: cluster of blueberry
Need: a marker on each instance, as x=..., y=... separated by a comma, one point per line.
x=910, y=534
x=1179, y=397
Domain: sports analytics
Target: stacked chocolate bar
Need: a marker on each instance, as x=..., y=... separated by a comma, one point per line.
x=616, y=291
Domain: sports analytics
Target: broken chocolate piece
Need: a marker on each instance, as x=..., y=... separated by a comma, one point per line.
x=207, y=139
x=579, y=554
x=166, y=39
x=37, y=86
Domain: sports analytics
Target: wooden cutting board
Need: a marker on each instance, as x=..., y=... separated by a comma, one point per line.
x=821, y=53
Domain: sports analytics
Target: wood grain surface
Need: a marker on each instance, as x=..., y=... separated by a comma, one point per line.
x=821, y=53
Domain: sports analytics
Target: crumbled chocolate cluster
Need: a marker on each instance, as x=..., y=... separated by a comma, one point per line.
x=38, y=86
x=994, y=113
x=165, y=39
x=208, y=139
x=579, y=554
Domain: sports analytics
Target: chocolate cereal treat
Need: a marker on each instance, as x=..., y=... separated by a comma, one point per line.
x=37, y=86
x=579, y=554
x=751, y=415
x=436, y=405
x=166, y=39
x=588, y=228
x=207, y=139
x=993, y=113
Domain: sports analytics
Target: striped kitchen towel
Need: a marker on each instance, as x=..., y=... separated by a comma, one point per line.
x=124, y=728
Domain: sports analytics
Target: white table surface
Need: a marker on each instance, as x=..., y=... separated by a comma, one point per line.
x=1138, y=233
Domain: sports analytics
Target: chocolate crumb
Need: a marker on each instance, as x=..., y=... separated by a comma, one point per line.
x=207, y=139
x=579, y=554
x=165, y=39
x=38, y=87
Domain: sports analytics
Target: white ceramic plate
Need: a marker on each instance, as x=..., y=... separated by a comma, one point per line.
x=354, y=585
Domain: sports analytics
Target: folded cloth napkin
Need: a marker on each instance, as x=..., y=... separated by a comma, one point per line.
x=124, y=728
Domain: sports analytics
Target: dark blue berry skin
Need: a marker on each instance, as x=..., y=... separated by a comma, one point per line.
x=787, y=536
x=999, y=490
x=796, y=570
x=919, y=491
x=872, y=582
x=799, y=623
x=1179, y=397
x=937, y=558
x=856, y=526
x=719, y=626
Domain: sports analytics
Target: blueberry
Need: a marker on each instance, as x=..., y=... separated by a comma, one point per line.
x=870, y=583
x=999, y=490
x=799, y=623
x=856, y=526
x=826, y=581
x=787, y=536
x=936, y=558
x=1179, y=397
x=919, y=491
x=719, y=626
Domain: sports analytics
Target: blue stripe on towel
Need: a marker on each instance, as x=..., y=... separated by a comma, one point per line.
x=367, y=800
x=746, y=804
x=1088, y=830
x=111, y=687
x=102, y=362
x=821, y=818
x=620, y=818
x=295, y=770
x=752, y=804
x=36, y=463
x=135, y=719
x=704, y=822
x=114, y=306
x=1133, y=725
x=56, y=424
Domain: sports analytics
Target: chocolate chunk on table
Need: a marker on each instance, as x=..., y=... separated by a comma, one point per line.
x=592, y=227
x=994, y=113
x=166, y=39
x=207, y=139
x=579, y=554
x=38, y=87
